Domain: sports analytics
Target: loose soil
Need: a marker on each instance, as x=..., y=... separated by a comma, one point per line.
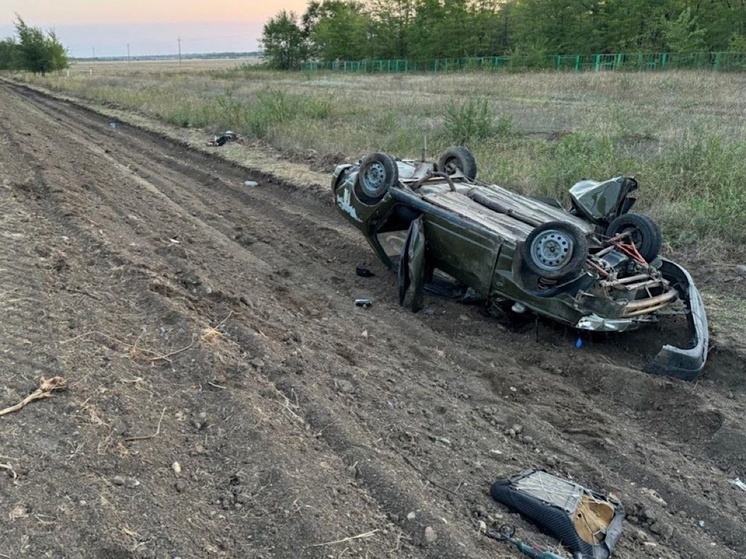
x=227, y=399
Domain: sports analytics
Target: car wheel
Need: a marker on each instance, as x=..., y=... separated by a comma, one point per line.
x=377, y=173
x=644, y=232
x=555, y=250
x=458, y=158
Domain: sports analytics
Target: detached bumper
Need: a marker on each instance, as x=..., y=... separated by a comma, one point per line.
x=671, y=361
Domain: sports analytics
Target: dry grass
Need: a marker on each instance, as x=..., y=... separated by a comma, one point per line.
x=108, y=68
x=683, y=134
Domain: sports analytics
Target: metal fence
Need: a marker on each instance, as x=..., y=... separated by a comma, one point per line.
x=715, y=61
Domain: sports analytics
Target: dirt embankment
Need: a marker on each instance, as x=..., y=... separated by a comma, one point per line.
x=227, y=399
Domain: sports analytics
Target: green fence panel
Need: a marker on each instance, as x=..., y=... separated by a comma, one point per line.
x=641, y=61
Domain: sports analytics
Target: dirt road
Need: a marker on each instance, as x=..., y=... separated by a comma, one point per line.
x=227, y=399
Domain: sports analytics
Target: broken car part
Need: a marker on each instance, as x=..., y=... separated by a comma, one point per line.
x=586, y=523
x=507, y=534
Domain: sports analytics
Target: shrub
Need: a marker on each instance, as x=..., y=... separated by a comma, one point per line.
x=468, y=121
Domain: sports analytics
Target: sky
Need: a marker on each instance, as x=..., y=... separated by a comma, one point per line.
x=106, y=27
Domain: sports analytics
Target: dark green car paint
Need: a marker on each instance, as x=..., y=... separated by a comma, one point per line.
x=491, y=265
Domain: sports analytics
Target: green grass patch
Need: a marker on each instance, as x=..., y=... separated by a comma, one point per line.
x=682, y=134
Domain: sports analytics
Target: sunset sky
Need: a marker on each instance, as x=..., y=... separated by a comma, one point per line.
x=148, y=26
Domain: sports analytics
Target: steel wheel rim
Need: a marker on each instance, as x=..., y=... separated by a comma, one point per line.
x=374, y=177
x=552, y=250
x=452, y=166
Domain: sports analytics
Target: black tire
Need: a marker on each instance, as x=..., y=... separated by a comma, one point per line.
x=646, y=235
x=555, y=250
x=377, y=173
x=458, y=158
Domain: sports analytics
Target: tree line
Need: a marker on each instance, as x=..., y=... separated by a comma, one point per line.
x=426, y=29
x=32, y=50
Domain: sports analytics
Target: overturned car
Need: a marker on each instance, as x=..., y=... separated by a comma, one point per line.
x=595, y=266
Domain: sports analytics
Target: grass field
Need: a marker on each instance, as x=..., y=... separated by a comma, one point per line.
x=682, y=134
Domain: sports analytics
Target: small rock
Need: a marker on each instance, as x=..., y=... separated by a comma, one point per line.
x=364, y=334
x=661, y=529
x=649, y=515
x=251, y=183
x=653, y=494
x=132, y=482
x=411, y=516
x=257, y=363
x=464, y=317
x=640, y=535
x=518, y=428
x=528, y=439
x=118, y=480
x=741, y=268
x=180, y=485
x=430, y=535
x=344, y=386
x=482, y=526
x=176, y=467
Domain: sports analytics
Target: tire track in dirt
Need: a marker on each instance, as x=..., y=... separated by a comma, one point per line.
x=160, y=181
x=450, y=377
x=272, y=532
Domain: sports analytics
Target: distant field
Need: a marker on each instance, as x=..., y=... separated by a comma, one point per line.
x=683, y=134
x=101, y=68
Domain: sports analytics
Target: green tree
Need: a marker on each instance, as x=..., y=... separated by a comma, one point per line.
x=627, y=26
x=391, y=29
x=338, y=29
x=9, y=57
x=284, y=42
x=57, y=52
x=37, y=52
x=556, y=26
x=684, y=34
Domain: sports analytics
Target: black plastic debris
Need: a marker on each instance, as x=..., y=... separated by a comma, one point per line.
x=587, y=523
x=224, y=138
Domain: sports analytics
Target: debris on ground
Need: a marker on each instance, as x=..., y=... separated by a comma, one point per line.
x=365, y=303
x=738, y=483
x=507, y=534
x=364, y=272
x=46, y=387
x=251, y=183
x=224, y=138
x=585, y=522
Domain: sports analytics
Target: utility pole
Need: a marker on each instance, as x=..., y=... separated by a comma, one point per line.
x=93, y=49
x=179, y=39
x=128, y=52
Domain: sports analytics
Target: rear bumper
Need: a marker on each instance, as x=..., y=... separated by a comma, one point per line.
x=671, y=361
x=685, y=364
